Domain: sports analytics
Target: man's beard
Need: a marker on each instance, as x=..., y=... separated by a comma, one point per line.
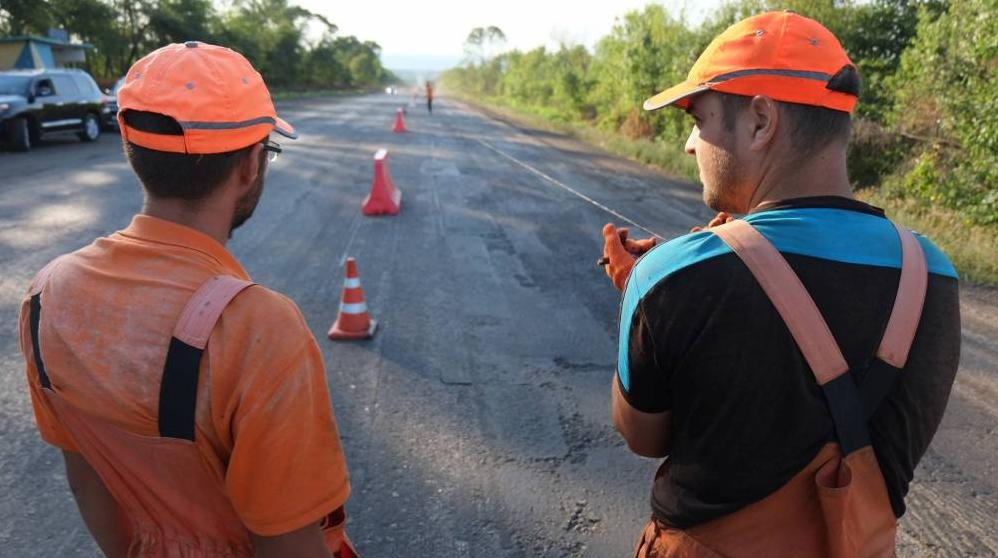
x=246, y=205
x=720, y=186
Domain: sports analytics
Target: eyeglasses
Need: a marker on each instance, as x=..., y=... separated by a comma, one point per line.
x=273, y=149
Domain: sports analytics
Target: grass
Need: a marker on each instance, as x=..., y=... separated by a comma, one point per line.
x=297, y=94
x=973, y=249
x=668, y=157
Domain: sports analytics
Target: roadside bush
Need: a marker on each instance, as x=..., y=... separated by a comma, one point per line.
x=947, y=98
x=875, y=152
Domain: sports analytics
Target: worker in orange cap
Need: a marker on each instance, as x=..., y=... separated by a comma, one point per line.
x=792, y=365
x=190, y=404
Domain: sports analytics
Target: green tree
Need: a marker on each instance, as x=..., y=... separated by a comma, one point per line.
x=323, y=67
x=270, y=33
x=946, y=99
x=482, y=43
x=174, y=21
x=22, y=17
x=645, y=52
x=364, y=68
x=879, y=32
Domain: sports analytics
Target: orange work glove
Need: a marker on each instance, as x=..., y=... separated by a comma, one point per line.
x=621, y=253
x=719, y=219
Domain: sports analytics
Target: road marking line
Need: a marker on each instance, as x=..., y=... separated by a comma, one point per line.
x=567, y=188
x=354, y=225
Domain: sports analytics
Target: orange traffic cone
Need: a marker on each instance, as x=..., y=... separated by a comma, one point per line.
x=399, y=122
x=385, y=198
x=353, y=321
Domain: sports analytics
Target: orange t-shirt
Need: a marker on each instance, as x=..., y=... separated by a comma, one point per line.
x=264, y=421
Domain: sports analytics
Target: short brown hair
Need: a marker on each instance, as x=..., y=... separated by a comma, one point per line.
x=177, y=175
x=811, y=128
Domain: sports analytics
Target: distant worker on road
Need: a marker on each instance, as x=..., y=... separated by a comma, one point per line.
x=429, y=97
x=792, y=366
x=190, y=405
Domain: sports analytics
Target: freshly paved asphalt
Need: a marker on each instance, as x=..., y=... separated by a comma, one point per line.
x=476, y=423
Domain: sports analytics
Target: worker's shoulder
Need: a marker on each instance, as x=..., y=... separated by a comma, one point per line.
x=63, y=264
x=672, y=257
x=937, y=260
x=262, y=329
x=265, y=309
x=843, y=236
x=831, y=234
x=260, y=340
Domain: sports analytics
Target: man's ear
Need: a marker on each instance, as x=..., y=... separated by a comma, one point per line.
x=249, y=168
x=765, y=115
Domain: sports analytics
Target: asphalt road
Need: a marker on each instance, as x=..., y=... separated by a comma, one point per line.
x=476, y=423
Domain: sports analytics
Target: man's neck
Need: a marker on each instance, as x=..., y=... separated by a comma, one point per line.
x=823, y=174
x=203, y=216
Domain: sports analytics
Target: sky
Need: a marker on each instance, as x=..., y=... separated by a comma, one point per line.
x=429, y=34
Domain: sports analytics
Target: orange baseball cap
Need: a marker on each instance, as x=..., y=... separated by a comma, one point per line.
x=783, y=55
x=219, y=100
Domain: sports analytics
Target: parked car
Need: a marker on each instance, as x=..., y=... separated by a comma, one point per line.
x=109, y=113
x=38, y=102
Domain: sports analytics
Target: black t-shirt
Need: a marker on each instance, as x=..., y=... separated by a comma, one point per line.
x=699, y=338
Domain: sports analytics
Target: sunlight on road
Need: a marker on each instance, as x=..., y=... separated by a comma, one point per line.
x=41, y=224
x=93, y=178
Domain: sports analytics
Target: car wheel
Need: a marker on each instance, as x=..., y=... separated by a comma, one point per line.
x=19, y=134
x=34, y=132
x=91, y=128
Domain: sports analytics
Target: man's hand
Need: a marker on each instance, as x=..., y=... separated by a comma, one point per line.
x=621, y=252
x=719, y=219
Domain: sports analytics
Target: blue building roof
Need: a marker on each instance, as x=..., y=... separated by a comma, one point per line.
x=45, y=40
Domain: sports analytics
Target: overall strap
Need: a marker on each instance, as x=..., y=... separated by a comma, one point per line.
x=178, y=389
x=35, y=317
x=892, y=354
x=849, y=409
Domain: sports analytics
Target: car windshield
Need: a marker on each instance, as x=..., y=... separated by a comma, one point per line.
x=14, y=85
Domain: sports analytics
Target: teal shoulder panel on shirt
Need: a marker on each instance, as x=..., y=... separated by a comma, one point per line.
x=838, y=235
x=653, y=267
x=843, y=236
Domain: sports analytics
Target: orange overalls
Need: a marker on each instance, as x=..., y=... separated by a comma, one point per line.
x=837, y=506
x=175, y=504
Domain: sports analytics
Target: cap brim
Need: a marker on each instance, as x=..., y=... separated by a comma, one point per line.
x=674, y=95
x=282, y=127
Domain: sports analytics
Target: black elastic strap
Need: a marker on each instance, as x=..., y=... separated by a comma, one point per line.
x=35, y=316
x=877, y=384
x=852, y=406
x=847, y=413
x=178, y=392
